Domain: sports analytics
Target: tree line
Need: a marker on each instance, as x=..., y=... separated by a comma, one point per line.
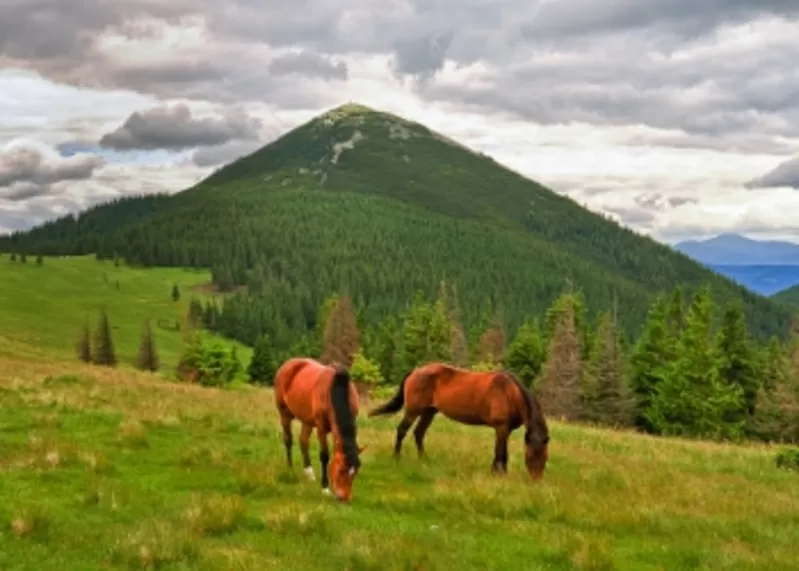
x=694, y=370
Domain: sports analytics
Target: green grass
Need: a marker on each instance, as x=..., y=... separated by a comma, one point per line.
x=120, y=470
x=43, y=307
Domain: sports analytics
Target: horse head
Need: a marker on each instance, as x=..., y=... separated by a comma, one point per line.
x=342, y=473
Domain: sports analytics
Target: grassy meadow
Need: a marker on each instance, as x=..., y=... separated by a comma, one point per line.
x=43, y=307
x=117, y=469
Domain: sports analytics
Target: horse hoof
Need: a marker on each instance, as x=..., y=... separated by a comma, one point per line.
x=309, y=472
x=326, y=492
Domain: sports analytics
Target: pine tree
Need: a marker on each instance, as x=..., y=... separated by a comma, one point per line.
x=341, y=338
x=83, y=345
x=175, y=293
x=147, y=359
x=692, y=400
x=459, y=346
x=608, y=399
x=104, y=353
x=559, y=390
x=650, y=360
x=525, y=355
x=737, y=359
x=491, y=345
x=263, y=366
x=386, y=347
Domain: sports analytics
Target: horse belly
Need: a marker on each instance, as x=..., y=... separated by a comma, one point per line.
x=464, y=417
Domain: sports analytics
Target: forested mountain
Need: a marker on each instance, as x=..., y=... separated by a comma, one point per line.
x=789, y=296
x=370, y=204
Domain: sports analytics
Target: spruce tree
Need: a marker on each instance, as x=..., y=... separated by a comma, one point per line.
x=147, y=359
x=104, y=353
x=341, y=338
x=525, y=355
x=608, y=399
x=649, y=362
x=692, y=400
x=737, y=359
x=491, y=345
x=263, y=365
x=776, y=415
x=560, y=386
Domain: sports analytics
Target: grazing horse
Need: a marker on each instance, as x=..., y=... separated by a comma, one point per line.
x=495, y=399
x=321, y=397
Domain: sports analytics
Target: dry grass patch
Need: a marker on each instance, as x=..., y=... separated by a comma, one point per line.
x=153, y=545
x=215, y=514
x=32, y=522
x=203, y=455
x=132, y=433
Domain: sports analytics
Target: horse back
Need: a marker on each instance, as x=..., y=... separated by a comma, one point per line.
x=300, y=386
x=469, y=397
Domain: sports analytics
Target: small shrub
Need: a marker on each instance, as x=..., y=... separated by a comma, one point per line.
x=486, y=367
x=788, y=459
x=209, y=362
x=365, y=370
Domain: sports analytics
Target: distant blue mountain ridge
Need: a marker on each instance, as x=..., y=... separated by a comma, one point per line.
x=763, y=266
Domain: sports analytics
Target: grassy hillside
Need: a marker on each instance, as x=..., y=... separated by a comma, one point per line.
x=788, y=296
x=43, y=307
x=119, y=470
x=382, y=207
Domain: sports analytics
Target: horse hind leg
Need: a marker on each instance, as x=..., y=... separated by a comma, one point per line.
x=305, y=437
x=402, y=429
x=285, y=421
x=425, y=420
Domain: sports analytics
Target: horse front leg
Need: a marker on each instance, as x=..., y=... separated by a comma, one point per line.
x=324, y=457
x=305, y=437
x=500, y=463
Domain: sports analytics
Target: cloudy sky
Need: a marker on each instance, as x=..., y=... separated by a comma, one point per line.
x=678, y=117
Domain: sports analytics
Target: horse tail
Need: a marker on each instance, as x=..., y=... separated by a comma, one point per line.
x=396, y=402
x=345, y=420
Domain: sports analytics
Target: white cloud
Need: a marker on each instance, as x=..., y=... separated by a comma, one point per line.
x=659, y=113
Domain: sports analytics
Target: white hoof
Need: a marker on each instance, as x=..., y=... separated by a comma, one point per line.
x=326, y=492
x=309, y=472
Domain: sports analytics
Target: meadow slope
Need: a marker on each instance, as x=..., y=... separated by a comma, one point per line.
x=114, y=469
x=43, y=307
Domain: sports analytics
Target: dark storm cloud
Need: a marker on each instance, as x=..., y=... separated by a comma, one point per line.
x=25, y=173
x=784, y=175
x=176, y=128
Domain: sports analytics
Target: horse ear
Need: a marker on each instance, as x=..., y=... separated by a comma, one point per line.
x=361, y=449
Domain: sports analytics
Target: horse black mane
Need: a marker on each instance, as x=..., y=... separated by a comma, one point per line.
x=537, y=422
x=340, y=400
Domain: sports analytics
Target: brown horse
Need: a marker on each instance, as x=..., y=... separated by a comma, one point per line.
x=495, y=399
x=321, y=397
